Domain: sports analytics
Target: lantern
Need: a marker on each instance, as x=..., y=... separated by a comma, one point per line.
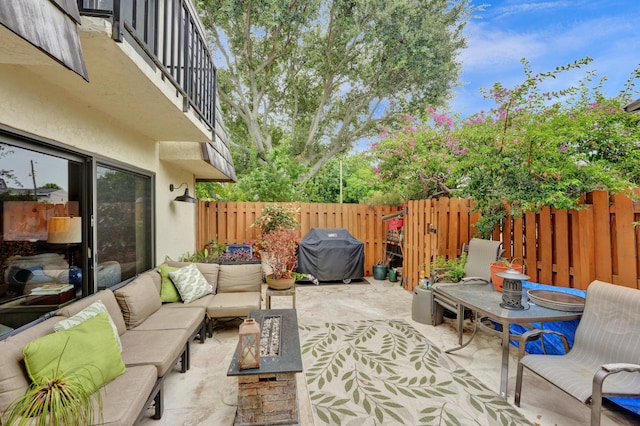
x=512, y=289
x=249, y=345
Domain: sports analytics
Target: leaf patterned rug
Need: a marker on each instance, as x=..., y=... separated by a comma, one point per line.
x=386, y=373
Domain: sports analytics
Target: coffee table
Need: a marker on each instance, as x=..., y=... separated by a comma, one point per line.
x=485, y=301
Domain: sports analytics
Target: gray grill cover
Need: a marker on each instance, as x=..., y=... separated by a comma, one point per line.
x=331, y=254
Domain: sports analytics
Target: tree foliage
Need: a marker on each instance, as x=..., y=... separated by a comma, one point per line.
x=535, y=148
x=329, y=72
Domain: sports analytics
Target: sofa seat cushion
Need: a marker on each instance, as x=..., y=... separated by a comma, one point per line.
x=203, y=302
x=139, y=299
x=240, y=278
x=226, y=305
x=190, y=282
x=189, y=319
x=124, y=398
x=107, y=298
x=160, y=348
x=87, y=353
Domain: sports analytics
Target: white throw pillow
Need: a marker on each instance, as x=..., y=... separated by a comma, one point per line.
x=89, y=312
x=190, y=282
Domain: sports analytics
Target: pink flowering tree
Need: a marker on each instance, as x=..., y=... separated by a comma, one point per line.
x=535, y=148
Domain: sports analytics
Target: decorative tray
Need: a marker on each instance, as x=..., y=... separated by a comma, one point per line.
x=557, y=300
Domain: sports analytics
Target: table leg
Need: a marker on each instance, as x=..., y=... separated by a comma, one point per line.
x=504, y=374
x=460, y=320
x=473, y=334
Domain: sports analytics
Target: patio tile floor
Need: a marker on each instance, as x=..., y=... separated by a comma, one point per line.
x=206, y=396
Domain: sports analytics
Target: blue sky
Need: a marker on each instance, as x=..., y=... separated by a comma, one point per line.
x=548, y=33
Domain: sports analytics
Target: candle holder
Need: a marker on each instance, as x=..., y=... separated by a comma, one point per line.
x=249, y=345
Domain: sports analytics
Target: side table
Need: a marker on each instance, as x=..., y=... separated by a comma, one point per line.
x=288, y=292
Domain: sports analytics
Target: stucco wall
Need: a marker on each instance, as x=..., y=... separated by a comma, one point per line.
x=38, y=107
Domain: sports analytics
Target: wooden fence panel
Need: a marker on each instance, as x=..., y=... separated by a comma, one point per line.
x=625, y=239
x=602, y=235
x=563, y=248
x=545, y=246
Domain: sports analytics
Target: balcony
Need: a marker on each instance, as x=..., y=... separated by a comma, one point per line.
x=146, y=68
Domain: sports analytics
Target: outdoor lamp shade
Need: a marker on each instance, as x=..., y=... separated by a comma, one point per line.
x=249, y=345
x=512, y=289
x=186, y=198
x=65, y=230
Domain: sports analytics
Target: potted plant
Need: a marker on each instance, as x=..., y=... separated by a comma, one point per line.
x=60, y=399
x=451, y=270
x=280, y=247
x=380, y=270
x=501, y=266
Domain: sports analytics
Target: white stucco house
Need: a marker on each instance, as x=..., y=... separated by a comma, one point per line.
x=114, y=102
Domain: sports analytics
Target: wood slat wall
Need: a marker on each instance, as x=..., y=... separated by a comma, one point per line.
x=559, y=247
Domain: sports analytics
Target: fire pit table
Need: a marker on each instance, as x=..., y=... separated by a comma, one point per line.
x=269, y=394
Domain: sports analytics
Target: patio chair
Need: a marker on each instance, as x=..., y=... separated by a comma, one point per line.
x=606, y=346
x=480, y=254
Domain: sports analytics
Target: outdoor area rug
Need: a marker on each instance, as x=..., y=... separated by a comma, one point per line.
x=385, y=372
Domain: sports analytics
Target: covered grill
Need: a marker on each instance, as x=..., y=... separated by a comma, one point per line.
x=331, y=254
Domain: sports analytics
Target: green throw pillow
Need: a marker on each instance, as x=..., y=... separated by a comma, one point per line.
x=168, y=291
x=91, y=356
x=190, y=282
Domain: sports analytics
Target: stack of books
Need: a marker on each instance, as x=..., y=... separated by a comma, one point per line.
x=51, y=294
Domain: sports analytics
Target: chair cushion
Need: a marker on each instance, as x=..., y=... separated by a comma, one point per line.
x=226, y=305
x=108, y=299
x=239, y=278
x=13, y=381
x=190, y=282
x=138, y=299
x=87, y=353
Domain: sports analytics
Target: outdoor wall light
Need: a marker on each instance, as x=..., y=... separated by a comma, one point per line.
x=186, y=198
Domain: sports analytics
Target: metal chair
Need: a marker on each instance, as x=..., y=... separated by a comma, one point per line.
x=480, y=254
x=606, y=346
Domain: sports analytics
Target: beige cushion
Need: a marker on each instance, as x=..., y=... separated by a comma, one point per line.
x=239, y=278
x=108, y=299
x=13, y=378
x=225, y=305
x=124, y=398
x=190, y=282
x=209, y=270
x=159, y=348
x=189, y=319
x=138, y=299
x=203, y=302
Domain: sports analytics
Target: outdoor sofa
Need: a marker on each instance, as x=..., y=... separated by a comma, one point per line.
x=154, y=336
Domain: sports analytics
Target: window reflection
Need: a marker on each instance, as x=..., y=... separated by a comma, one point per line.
x=123, y=214
x=38, y=275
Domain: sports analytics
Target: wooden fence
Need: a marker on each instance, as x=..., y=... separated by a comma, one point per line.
x=563, y=248
x=230, y=223
x=559, y=247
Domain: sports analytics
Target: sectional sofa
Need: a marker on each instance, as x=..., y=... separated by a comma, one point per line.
x=148, y=336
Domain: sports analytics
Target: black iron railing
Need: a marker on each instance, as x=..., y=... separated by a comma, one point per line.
x=168, y=33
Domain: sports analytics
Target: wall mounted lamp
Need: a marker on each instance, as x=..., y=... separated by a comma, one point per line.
x=184, y=197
